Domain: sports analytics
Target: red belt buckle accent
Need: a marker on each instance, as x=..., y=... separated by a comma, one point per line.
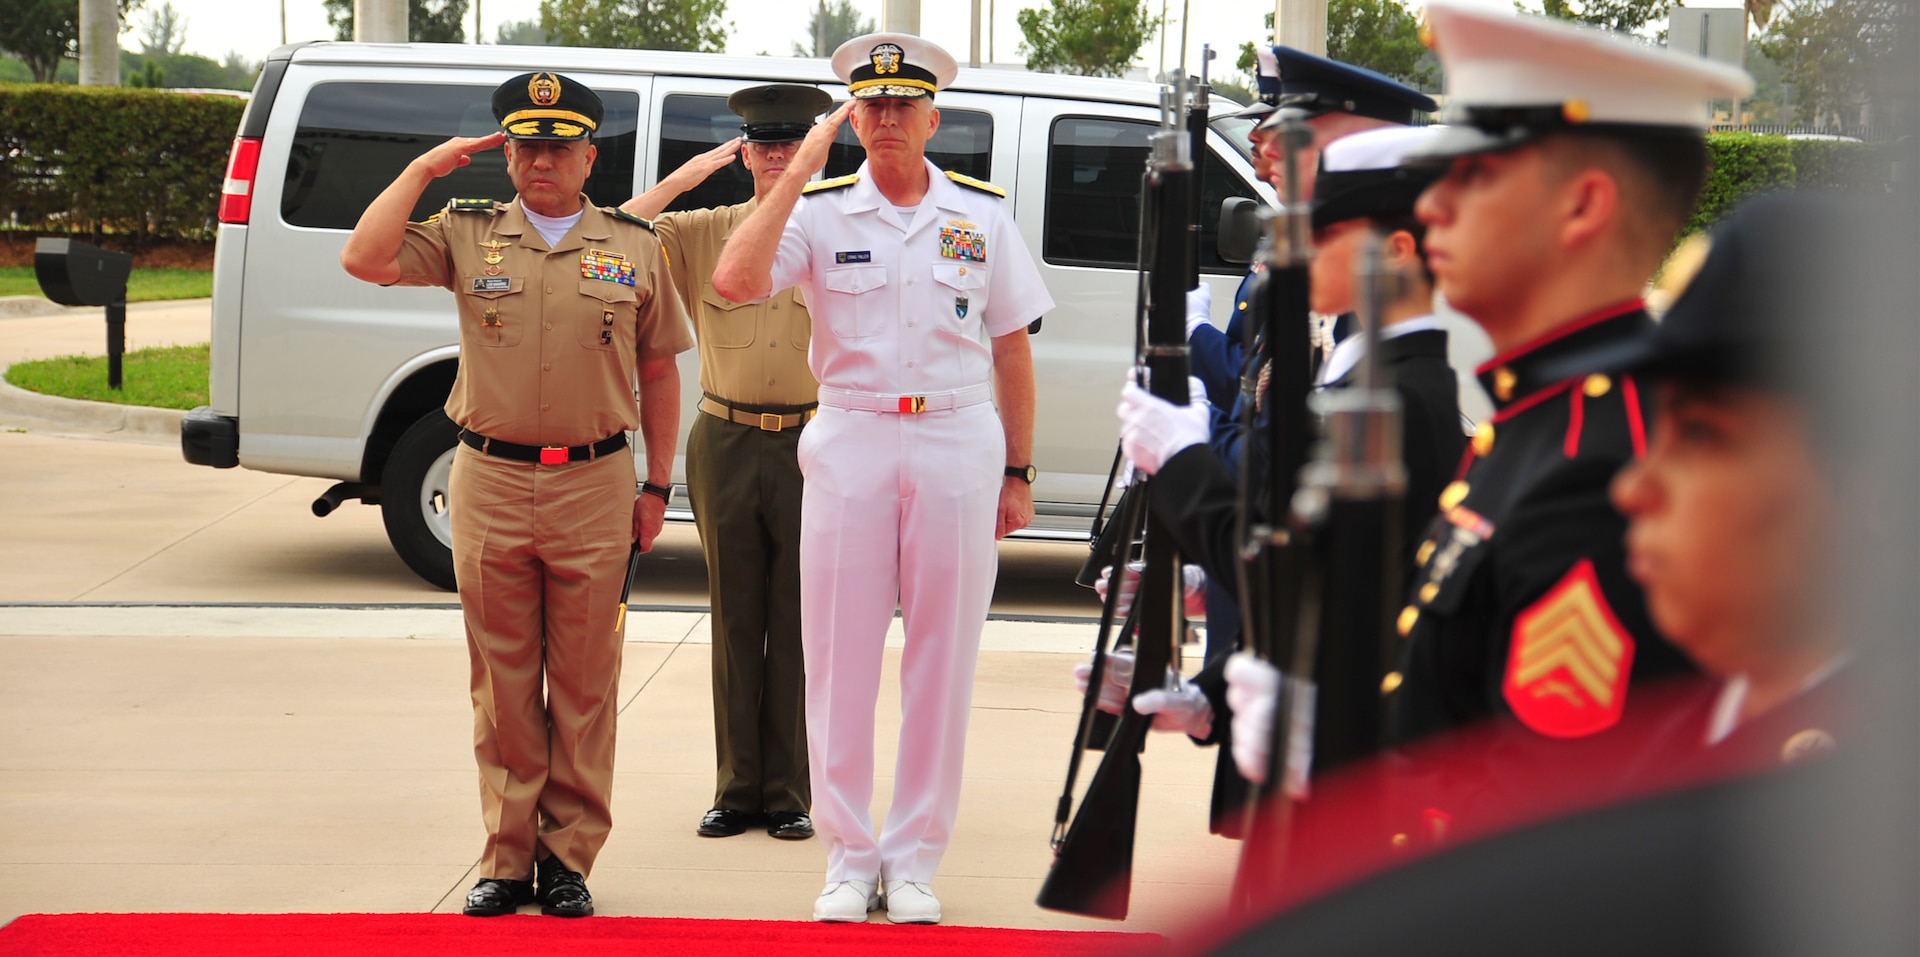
x=913, y=403
x=553, y=455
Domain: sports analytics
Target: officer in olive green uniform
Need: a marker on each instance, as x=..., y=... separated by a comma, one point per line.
x=562, y=307
x=744, y=477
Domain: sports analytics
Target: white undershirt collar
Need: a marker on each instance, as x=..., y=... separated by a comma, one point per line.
x=1350, y=350
x=551, y=228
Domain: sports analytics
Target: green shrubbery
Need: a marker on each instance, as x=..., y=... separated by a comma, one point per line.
x=138, y=163
x=1748, y=164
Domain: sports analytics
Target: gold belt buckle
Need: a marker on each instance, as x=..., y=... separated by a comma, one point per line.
x=770, y=422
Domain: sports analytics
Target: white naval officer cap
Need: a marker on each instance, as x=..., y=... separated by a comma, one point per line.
x=1367, y=173
x=1513, y=78
x=893, y=64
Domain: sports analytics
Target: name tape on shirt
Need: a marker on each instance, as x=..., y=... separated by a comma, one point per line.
x=959, y=243
x=493, y=284
x=609, y=267
x=857, y=256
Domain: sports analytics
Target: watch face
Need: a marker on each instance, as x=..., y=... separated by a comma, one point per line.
x=1032, y=473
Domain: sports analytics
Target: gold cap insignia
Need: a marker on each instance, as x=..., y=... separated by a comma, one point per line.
x=544, y=89
x=887, y=57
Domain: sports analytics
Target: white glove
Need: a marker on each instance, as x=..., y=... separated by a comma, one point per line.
x=1115, y=680
x=1153, y=430
x=1193, y=587
x=1129, y=585
x=1186, y=710
x=1253, y=692
x=1199, y=307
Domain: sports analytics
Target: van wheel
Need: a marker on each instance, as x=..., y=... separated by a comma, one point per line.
x=413, y=498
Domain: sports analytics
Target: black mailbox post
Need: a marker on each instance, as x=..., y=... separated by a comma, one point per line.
x=75, y=274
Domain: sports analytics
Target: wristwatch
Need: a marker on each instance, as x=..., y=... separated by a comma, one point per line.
x=1025, y=473
x=665, y=492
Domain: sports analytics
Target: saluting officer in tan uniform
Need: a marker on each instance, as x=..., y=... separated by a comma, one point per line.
x=561, y=305
x=744, y=476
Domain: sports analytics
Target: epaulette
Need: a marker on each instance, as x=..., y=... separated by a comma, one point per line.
x=472, y=205
x=837, y=182
x=979, y=184
x=619, y=213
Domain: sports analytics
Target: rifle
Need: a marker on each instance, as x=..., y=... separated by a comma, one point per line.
x=1092, y=871
x=1329, y=698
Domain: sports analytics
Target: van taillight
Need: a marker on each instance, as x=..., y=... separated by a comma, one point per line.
x=236, y=197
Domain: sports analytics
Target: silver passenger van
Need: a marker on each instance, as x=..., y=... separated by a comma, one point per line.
x=315, y=373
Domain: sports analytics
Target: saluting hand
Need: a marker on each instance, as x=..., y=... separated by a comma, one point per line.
x=811, y=158
x=695, y=171
x=458, y=152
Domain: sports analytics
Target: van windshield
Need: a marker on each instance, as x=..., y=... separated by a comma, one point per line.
x=355, y=138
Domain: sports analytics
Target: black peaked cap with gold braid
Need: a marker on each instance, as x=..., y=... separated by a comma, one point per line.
x=547, y=106
x=893, y=64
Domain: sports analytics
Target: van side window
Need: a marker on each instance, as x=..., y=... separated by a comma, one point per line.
x=1094, y=168
x=355, y=138
x=690, y=125
x=963, y=144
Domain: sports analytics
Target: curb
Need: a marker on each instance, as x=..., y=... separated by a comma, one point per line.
x=132, y=421
x=24, y=307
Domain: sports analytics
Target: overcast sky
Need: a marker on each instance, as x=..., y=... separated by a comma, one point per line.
x=770, y=26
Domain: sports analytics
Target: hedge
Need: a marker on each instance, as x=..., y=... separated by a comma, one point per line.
x=1747, y=164
x=90, y=160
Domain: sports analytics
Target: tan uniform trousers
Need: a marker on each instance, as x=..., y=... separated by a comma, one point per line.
x=540, y=552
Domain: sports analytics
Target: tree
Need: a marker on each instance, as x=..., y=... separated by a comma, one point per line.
x=1381, y=35
x=41, y=32
x=1623, y=16
x=1835, y=55
x=693, y=25
x=831, y=25
x=442, y=22
x=1085, y=37
x=165, y=31
x=522, y=33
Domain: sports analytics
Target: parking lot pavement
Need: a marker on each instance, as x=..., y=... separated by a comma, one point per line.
x=253, y=759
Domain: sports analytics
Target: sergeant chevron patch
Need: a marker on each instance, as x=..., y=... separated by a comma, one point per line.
x=1569, y=660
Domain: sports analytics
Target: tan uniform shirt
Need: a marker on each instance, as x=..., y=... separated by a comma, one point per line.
x=550, y=339
x=750, y=353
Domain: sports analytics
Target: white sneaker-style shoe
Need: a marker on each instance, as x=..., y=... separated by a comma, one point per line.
x=912, y=902
x=847, y=901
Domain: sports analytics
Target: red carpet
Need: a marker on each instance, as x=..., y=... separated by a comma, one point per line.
x=417, y=935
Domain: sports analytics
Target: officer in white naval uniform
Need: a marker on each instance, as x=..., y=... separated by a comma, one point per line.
x=921, y=291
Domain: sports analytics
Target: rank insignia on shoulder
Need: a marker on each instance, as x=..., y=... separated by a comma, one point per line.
x=471, y=205
x=619, y=213
x=836, y=182
x=979, y=184
x=1569, y=660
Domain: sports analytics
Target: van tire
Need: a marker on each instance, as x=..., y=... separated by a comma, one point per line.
x=413, y=497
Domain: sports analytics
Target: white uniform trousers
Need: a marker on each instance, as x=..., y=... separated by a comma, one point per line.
x=897, y=506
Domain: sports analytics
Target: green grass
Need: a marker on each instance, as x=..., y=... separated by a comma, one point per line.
x=145, y=285
x=169, y=377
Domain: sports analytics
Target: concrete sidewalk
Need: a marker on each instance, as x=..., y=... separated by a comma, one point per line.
x=261, y=759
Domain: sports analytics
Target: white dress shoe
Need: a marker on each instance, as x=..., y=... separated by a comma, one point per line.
x=912, y=902
x=847, y=901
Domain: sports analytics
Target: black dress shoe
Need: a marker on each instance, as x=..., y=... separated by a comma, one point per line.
x=563, y=893
x=725, y=822
x=789, y=825
x=493, y=897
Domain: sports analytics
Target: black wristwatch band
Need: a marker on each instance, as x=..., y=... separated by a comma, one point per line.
x=665, y=492
x=1025, y=473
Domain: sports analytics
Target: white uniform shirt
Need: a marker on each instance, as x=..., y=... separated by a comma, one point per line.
x=900, y=308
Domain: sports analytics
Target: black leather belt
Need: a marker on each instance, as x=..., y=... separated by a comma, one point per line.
x=544, y=454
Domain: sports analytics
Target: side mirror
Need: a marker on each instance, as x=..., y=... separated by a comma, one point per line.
x=1239, y=233
x=73, y=273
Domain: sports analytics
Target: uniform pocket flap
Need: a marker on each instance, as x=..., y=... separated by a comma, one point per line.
x=855, y=280
x=493, y=287
x=713, y=300
x=607, y=291
x=959, y=276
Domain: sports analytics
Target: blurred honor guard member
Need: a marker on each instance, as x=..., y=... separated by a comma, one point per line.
x=922, y=291
x=1574, y=159
x=757, y=393
x=561, y=304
